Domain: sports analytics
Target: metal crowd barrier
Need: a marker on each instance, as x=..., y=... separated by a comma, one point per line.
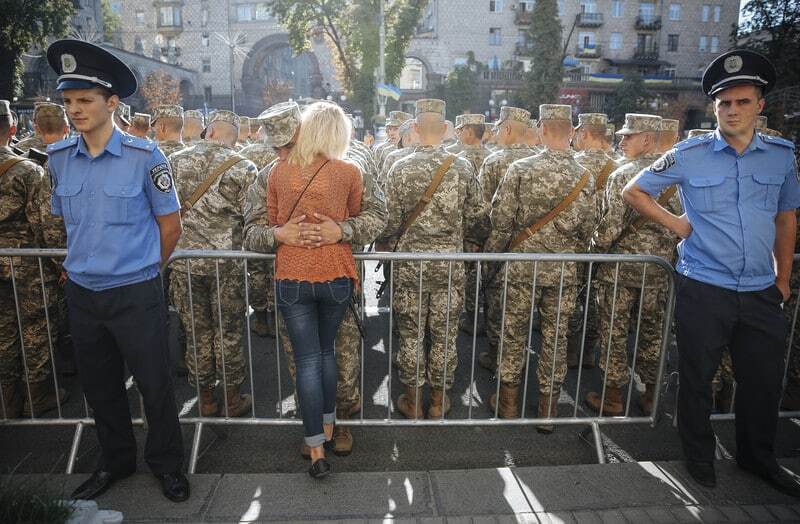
x=592, y=423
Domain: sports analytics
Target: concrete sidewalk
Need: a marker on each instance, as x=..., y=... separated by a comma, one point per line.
x=632, y=492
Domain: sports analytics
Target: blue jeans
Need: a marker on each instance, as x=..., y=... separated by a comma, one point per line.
x=312, y=313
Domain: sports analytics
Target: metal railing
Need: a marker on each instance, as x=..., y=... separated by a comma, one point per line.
x=501, y=262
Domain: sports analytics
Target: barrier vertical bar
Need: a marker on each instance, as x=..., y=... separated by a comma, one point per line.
x=474, y=339
x=21, y=336
x=583, y=338
x=73, y=450
x=632, y=367
x=49, y=336
x=555, y=344
x=610, y=335
x=499, y=366
x=391, y=340
x=249, y=340
x=221, y=341
x=529, y=348
x=447, y=337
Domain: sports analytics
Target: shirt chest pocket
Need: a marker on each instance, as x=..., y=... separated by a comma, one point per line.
x=767, y=190
x=705, y=192
x=70, y=197
x=124, y=203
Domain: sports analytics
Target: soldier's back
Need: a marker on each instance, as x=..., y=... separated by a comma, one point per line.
x=169, y=147
x=21, y=201
x=34, y=141
x=259, y=154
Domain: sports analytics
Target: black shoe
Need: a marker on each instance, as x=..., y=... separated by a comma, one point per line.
x=781, y=479
x=174, y=486
x=319, y=469
x=703, y=473
x=97, y=484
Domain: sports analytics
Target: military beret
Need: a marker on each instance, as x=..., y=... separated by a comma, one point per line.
x=48, y=109
x=470, y=119
x=670, y=125
x=592, y=119
x=280, y=123
x=516, y=114
x=141, y=119
x=81, y=65
x=5, y=108
x=761, y=122
x=166, y=111
x=639, y=123
x=430, y=105
x=736, y=68
x=555, y=112
x=193, y=113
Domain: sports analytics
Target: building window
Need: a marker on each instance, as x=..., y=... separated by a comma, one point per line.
x=588, y=6
x=206, y=41
x=526, y=6
x=672, y=43
x=703, y=47
x=717, y=12
x=706, y=12
x=140, y=18
x=169, y=16
x=560, y=6
x=495, y=36
x=204, y=17
x=460, y=62
x=495, y=6
x=244, y=13
x=714, y=44
x=207, y=94
x=616, y=41
x=413, y=75
x=670, y=72
x=138, y=45
x=522, y=37
x=206, y=65
x=617, y=8
x=262, y=11
x=675, y=12
x=427, y=22
x=647, y=11
x=586, y=40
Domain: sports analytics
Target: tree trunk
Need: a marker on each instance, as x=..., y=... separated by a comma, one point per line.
x=8, y=64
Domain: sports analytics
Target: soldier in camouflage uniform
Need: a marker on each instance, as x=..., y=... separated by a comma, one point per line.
x=49, y=123
x=458, y=146
x=140, y=125
x=531, y=138
x=622, y=231
x=669, y=136
x=531, y=188
x=396, y=118
x=510, y=133
x=167, y=123
x=282, y=122
x=409, y=140
x=590, y=144
x=244, y=133
x=214, y=222
x=193, y=124
x=455, y=214
x=122, y=116
x=24, y=218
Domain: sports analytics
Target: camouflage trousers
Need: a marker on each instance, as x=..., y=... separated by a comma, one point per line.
x=724, y=374
x=35, y=338
x=348, y=359
x=212, y=347
x=626, y=312
x=576, y=320
x=517, y=336
x=262, y=289
x=432, y=314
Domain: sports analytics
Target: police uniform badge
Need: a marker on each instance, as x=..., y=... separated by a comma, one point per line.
x=665, y=162
x=733, y=64
x=161, y=178
x=68, y=63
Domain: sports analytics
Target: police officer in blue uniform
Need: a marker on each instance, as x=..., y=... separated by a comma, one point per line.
x=740, y=190
x=120, y=208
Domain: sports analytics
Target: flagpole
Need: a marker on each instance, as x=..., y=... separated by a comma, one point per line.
x=382, y=64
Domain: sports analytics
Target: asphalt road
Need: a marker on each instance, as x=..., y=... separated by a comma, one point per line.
x=267, y=449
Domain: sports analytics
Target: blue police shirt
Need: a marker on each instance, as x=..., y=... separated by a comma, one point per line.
x=731, y=201
x=110, y=204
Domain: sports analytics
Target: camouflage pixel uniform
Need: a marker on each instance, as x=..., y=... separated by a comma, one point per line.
x=616, y=234
x=32, y=142
x=476, y=155
x=260, y=154
x=169, y=147
x=456, y=213
x=531, y=188
x=215, y=222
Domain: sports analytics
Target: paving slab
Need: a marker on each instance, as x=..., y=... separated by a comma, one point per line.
x=341, y=496
x=478, y=492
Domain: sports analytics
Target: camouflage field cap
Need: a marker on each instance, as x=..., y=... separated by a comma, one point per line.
x=123, y=112
x=697, y=132
x=470, y=119
x=532, y=123
x=406, y=126
x=194, y=113
x=592, y=119
x=555, y=112
x=639, y=123
x=5, y=108
x=397, y=117
x=244, y=121
x=670, y=125
x=141, y=119
x=48, y=109
x=166, y=111
x=514, y=114
x=280, y=123
x=430, y=105
x=761, y=122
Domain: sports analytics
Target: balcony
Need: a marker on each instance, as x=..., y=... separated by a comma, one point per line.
x=523, y=18
x=647, y=53
x=523, y=49
x=588, y=51
x=503, y=75
x=590, y=20
x=648, y=23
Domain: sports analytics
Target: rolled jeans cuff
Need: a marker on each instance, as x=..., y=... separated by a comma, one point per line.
x=315, y=441
x=329, y=418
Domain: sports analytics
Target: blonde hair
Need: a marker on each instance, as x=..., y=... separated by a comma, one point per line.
x=324, y=130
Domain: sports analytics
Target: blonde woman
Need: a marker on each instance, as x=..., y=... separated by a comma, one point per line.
x=314, y=285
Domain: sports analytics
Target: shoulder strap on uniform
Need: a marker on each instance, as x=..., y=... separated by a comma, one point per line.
x=662, y=201
x=9, y=163
x=208, y=182
x=531, y=230
x=426, y=197
x=602, y=178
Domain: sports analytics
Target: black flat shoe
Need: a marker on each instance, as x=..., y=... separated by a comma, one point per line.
x=703, y=473
x=97, y=484
x=320, y=469
x=174, y=486
x=782, y=480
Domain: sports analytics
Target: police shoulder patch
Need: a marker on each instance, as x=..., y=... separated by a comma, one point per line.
x=695, y=141
x=779, y=141
x=161, y=177
x=139, y=143
x=62, y=144
x=665, y=162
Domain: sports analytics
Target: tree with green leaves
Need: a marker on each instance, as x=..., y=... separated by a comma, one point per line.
x=27, y=23
x=544, y=80
x=350, y=27
x=460, y=90
x=629, y=98
x=112, y=24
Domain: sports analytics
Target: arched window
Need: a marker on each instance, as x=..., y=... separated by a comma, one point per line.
x=414, y=75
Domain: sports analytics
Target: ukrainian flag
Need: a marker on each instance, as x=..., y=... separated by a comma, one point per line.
x=390, y=91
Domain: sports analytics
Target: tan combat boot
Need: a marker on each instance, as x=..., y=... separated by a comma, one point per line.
x=509, y=402
x=238, y=404
x=44, y=398
x=646, y=400
x=612, y=406
x=545, y=407
x=208, y=404
x=13, y=400
x=439, y=398
x=407, y=403
x=342, y=437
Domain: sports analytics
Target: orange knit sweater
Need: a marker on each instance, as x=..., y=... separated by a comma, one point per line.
x=336, y=193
